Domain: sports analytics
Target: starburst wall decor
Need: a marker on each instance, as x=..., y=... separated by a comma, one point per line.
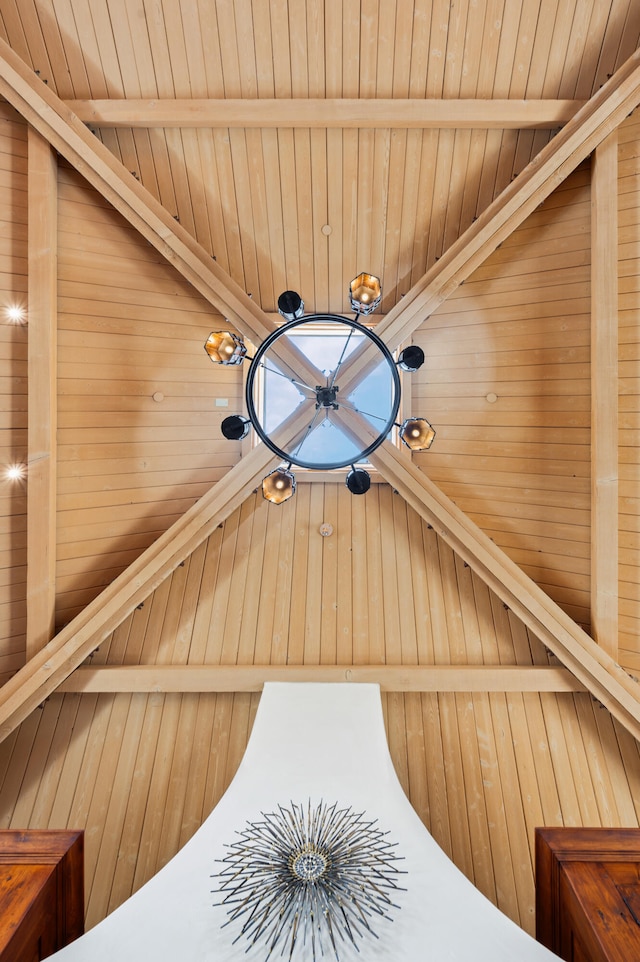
x=318, y=876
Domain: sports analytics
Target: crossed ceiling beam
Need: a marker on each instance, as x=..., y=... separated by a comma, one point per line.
x=46, y=670
x=54, y=121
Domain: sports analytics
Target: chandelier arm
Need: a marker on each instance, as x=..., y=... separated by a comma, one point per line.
x=339, y=364
x=307, y=432
x=274, y=370
x=366, y=414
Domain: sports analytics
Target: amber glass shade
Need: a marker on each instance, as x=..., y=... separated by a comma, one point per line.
x=365, y=293
x=224, y=347
x=417, y=434
x=279, y=486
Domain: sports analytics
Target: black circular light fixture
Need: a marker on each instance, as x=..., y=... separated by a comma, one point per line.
x=235, y=427
x=358, y=481
x=411, y=358
x=323, y=391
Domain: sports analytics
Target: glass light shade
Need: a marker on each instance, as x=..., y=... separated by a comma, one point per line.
x=224, y=347
x=411, y=358
x=279, y=486
x=417, y=434
x=365, y=293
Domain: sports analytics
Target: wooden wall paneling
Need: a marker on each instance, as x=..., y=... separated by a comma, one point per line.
x=184, y=634
x=115, y=817
x=290, y=218
x=60, y=814
x=158, y=603
x=390, y=573
x=193, y=813
x=299, y=575
x=124, y=874
x=254, y=644
x=375, y=589
x=581, y=785
x=438, y=821
x=222, y=593
x=242, y=715
x=312, y=649
x=347, y=574
x=262, y=288
x=165, y=643
x=420, y=590
x=108, y=790
x=406, y=625
x=180, y=767
x=547, y=788
x=37, y=756
x=471, y=643
x=19, y=759
x=461, y=848
x=266, y=575
x=397, y=189
x=417, y=771
x=339, y=201
x=397, y=736
x=602, y=787
x=362, y=613
x=277, y=197
x=225, y=208
x=366, y=189
x=558, y=747
x=305, y=224
x=246, y=594
x=218, y=751
x=483, y=872
x=236, y=580
x=150, y=837
x=620, y=778
x=631, y=766
x=320, y=175
x=329, y=591
x=516, y=849
x=436, y=552
x=127, y=641
x=498, y=801
x=50, y=781
x=420, y=246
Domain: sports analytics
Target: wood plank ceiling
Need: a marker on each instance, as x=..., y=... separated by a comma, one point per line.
x=370, y=172
x=237, y=150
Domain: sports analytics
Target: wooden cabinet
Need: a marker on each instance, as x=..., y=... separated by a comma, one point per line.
x=588, y=893
x=41, y=893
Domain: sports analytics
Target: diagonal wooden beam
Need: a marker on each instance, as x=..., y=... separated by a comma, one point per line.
x=69, y=136
x=582, y=134
x=50, y=666
x=54, y=121
x=590, y=664
x=45, y=671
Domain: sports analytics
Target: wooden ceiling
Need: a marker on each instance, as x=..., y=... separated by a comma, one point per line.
x=211, y=156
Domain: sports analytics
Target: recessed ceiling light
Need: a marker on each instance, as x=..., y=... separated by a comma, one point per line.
x=16, y=314
x=15, y=472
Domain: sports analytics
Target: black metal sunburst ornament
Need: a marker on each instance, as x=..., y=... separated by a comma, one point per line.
x=315, y=876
